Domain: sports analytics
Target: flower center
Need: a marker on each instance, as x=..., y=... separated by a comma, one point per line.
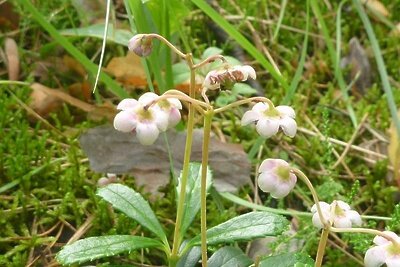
x=394, y=249
x=144, y=114
x=164, y=104
x=283, y=172
x=272, y=112
x=338, y=210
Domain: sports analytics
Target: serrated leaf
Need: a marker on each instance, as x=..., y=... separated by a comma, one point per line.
x=133, y=205
x=97, y=31
x=103, y=246
x=245, y=227
x=288, y=260
x=228, y=257
x=192, y=199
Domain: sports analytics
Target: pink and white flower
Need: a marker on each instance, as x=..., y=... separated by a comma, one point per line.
x=338, y=214
x=268, y=120
x=385, y=252
x=145, y=118
x=141, y=45
x=227, y=76
x=276, y=178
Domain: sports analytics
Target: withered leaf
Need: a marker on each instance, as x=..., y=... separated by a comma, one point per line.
x=11, y=51
x=110, y=151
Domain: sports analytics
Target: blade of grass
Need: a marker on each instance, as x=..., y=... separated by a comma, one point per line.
x=332, y=55
x=242, y=41
x=111, y=85
x=381, y=64
x=280, y=19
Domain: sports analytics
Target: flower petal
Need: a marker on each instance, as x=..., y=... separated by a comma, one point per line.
x=174, y=117
x=380, y=240
x=375, y=257
x=147, y=133
x=267, y=127
x=354, y=217
x=317, y=221
x=161, y=118
x=260, y=107
x=267, y=181
x=175, y=103
x=282, y=189
x=147, y=98
x=393, y=261
x=249, y=72
x=127, y=104
x=249, y=117
x=269, y=164
x=325, y=207
x=125, y=121
x=343, y=205
x=341, y=222
x=289, y=126
x=286, y=111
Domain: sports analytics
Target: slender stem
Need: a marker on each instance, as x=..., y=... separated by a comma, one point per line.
x=366, y=231
x=181, y=96
x=165, y=41
x=245, y=101
x=203, y=194
x=14, y=83
x=209, y=60
x=321, y=247
x=185, y=169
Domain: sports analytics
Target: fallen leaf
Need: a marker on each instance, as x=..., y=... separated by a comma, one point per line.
x=122, y=153
x=74, y=65
x=9, y=19
x=11, y=51
x=42, y=102
x=376, y=6
x=128, y=70
x=360, y=67
x=394, y=151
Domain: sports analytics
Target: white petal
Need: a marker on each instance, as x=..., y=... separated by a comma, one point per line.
x=147, y=98
x=380, y=240
x=267, y=181
x=208, y=81
x=343, y=205
x=393, y=261
x=354, y=217
x=175, y=103
x=325, y=207
x=269, y=164
x=342, y=222
x=161, y=119
x=316, y=220
x=267, y=127
x=250, y=72
x=127, y=104
x=174, y=117
x=375, y=257
x=282, y=189
x=260, y=107
x=147, y=133
x=125, y=121
x=289, y=126
x=249, y=117
x=286, y=111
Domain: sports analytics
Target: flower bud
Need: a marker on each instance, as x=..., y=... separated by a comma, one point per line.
x=141, y=45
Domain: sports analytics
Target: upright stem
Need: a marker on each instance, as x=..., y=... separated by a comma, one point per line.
x=185, y=169
x=203, y=194
x=321, y=247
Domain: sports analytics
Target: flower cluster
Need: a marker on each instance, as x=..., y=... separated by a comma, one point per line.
x=269, y=119
x=276, y=177
x=338, y=214
x=385, y=251
x=147, y=116
x=227, y=76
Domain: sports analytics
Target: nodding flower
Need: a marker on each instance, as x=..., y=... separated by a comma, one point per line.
x=141, y=45
x=227, y=76
x=385, y=252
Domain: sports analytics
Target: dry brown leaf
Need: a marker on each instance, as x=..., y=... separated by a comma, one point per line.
x=394, y=151
x=81, y=90
x=376, y=6
x=122, y=153
x=128, y=70
x=106, y=110
x=74, y=65
x=11, y=51
x=9, y=18
x=42, y=102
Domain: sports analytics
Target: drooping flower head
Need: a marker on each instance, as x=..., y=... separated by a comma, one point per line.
x=276, y=178
x=145, y=118
x=141, y=45
x=227, y=76
x=269, y=119
x=384, y=252
x=338, y=214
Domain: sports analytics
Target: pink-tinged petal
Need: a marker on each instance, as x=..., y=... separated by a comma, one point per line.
x=343, y=205
x=147, y=98
x=354, y=217
x=375, y=257
x=282, y=189
x=270, y=164
x=289, y=126
x=267, y=127
x=249, y=117
x=161, y=119
x=267, y=182
x=175, y=103
x=341, y=222
x=316, y=220
x=250, y=72
x=210, y=82
x=293, y=178
x=125, y=121
x=380, y=240
x=325, y=207
x=127, y=103
x=147, y=133
x=260, y=107
x=393, y=261
x=286, y=111
x=174, y=117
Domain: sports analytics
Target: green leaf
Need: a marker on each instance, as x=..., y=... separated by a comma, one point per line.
x=229, y=256
x=243, y=89
x=103, y=246
x=181, y=72
x=245, y=227
x=192, y=200
x=133, y=205
x=211, y=51
x=288, y=260
x=190, y=258
x=97, y=30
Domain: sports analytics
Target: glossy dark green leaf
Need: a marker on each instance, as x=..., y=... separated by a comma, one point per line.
x=229, y=257
x=190, y=258
x=288, y=260
x=103, y=246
